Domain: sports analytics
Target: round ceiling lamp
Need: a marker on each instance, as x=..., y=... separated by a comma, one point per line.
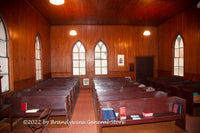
x=146, y=33
x=72, y=33
x=56, y=2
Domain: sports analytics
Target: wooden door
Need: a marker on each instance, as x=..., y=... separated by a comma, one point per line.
x=144, y=68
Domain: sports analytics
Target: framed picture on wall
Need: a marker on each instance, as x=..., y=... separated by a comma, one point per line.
x=120, y=60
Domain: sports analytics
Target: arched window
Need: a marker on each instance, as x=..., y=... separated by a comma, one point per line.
x=179, y=57
x=4, y=57
x=79, y=59
x=38, y=58
x=101, y=67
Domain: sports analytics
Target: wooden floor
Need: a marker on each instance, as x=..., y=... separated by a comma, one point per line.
x=162, y=127
x=84, y=112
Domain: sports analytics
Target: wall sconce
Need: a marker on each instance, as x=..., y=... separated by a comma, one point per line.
x=72, y=33
x=57, y=2
x=131, y=67
x=146, y=32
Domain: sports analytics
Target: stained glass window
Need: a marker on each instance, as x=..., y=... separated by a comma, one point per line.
x=78, y=55
x=101, y=67
x=179, y=57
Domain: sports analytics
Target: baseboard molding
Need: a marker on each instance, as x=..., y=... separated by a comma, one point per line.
x=61, y=74
x=47, y=76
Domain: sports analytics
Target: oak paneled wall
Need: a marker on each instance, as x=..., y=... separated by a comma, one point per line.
x=23, y=23
x=187, y=24
x=120, y=39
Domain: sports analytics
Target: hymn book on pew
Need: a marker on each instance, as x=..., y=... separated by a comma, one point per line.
x=23, y=106
x=122, y=113
x=147, y=114
x=135, y=117
x=177, y=108
x=32, y=110
x=196, y=97
x=108, y=114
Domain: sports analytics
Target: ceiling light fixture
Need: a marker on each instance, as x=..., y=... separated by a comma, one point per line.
x=146, y=32
x=56, y=2
x=72, y=33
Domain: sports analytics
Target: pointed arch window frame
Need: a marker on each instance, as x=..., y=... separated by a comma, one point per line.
x=178, y=56
x=38, y=58
x=78, y=59
x=4, y=57
x=101, y=58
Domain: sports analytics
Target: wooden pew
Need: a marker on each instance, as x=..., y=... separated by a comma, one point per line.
x=165, y=83
x=58, y=94
x=122, y=93
x=127, y=96
x=131, y=95
x=70, y=83
x=59, y=84
x=68, y=93
x=57, y=103
x=187, y=91
x=113, y=85
x=112, y=81
x=120, y=90
x=161, y=107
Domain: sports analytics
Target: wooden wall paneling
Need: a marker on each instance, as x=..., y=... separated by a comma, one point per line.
x=120, y=39
x=23, y=23
x=187, y=24
x=192, y=76
x=162, y=73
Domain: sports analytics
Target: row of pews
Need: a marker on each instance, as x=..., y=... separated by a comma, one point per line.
x=183, y=88
x=117, y=93
x=60, y=94
x=165, y=83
